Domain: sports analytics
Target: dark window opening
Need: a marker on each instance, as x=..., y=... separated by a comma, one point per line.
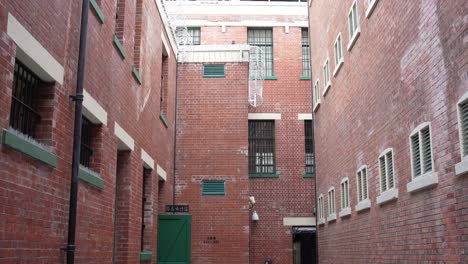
x=309, y=147
x=164, y=85
x=305, y=53
x=87, y=135
x=262, y=147
x=144, y=205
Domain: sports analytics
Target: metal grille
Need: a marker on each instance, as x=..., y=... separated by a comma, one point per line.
x=146, y=176
x=383, y=173
x=263, y=38
x=212, y=187
x=309, y=147
x=194, y=33
x=86, y=142
x=24, y=116
x=426, y=149
x=416, y=155
x=464, y=126
x=213, y=70
x=262, y=147
x=305, y=53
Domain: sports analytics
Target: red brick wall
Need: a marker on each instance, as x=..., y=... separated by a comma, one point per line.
x=33, y=196
x=212, y=144
x=407, y=67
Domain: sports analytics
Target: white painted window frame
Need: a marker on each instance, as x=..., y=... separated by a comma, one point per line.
x=461, y=168
x=345, y=210
x=427, y=179
x=338, y=61
x=321, y=210
x=316, y=95
x=391, y=193
x=357, y=32
x=370, y=7
x=364, y=203
x=331, y=205
x=326, y=76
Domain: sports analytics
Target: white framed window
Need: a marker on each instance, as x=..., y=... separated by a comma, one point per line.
x=321, y=210
x=370, y=7
x=362, y=189
x=462, y=107
x=331, y=205
x=326, y=77
x=338, y=52
x=316, y=95
x=345, y=204
x=422, y=160
x=353, y=25
x=388, y=192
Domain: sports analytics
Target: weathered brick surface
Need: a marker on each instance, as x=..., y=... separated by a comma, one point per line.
x=34, y=197
x=407, y=67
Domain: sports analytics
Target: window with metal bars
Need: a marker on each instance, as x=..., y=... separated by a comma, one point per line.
x=305, y=53
x=146, y=178
x=309, y=147
x=195, y=35
x=345, y=194
x=331, y=201
x=24, y=116
x=362, y=184
x=262, y=147
x=263, y=38
x=463, y=111
x=421, y=151
x=387, y=180
x=87, y=136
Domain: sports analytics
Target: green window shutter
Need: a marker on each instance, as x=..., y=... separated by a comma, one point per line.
x=213, y=188
x=383, y=173
x=390, y=170
x=416, y=155
x=426, y=149
x=214, y=71
x=464, y=127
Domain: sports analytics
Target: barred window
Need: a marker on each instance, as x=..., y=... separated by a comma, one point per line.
x=263, y=38
x=321, y=210
x=305, y=53
x=262, y=147
x=363, y=192
x=331, y=201
x=463, y=117
x=421, y=151
x=87, y=135
x=387, y=180
x=195, y=35
x=345, y=193
x=24, y=116
x=309, y=147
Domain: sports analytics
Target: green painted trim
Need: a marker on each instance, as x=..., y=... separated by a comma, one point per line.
x=97, y=11
x=119, y=46
x=146, y=255
x=207, y=66
x=270, y=77
x=207, y=191
x=304, y=77
x=184, y=217
x=136, y=74
x=264, y=175
x=90, y=178
x=309, y=175
x=214, y=76
x=164, y=119
x=24, y=146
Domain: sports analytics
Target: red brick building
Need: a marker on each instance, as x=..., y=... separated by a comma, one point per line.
x=245, y=150
x=128, y=129
x=390, y=117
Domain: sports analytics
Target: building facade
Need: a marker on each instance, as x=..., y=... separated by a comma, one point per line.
x=127, y=144
x=259, y=152
x=390, y=107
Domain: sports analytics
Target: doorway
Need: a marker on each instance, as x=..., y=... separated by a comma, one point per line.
x=174, y=239
x=304, y=245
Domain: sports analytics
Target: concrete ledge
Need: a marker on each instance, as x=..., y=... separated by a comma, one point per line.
x=93, y=110
x=146, y=255
x=304, y=116
x=27, y=146
x=364, y=204
x=31, y=53
x=331, y=217
x=345, y=212
x=338, y=67
x=161, y=172
x=422, y=182
x=461, y=168
x=148, y=162
x=327, y=87
x=90, y=177
x=126, y=142
x=119, y=46
x=164, y=119
x=321, y=221
x=97, y=10
x=371, y=8
x=264, y=116
x=136, y=74
x=387, y=196
x=298, y=221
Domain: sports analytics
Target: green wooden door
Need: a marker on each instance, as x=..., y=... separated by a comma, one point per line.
x=174, y=236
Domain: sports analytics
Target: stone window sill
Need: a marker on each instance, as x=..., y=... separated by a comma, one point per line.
x=90, y=177
x=363, y=205
x=331, y=217
x=97, y=11
x=321, y=221
x=422, y=182
x=345, y=212
x=387, y=196
x=164, y=119
x=338, y=67
x=371, y=8
x=316, y=106
x=461, y=168
x=327, y=87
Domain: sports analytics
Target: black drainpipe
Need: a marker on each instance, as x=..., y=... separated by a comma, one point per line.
x=175, y=135
x=314, y=139
x=78, y=98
